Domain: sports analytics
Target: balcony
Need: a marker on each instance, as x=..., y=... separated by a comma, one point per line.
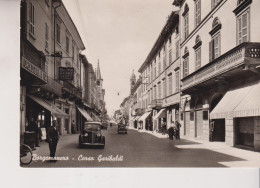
x=71, y=91
x=53, y=87
x=156, y=103
x=238, y=63
x=32, y=65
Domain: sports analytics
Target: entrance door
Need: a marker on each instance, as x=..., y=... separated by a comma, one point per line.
x=187, y=123
x=219, y=130
x=245, y=131
x=199, y=124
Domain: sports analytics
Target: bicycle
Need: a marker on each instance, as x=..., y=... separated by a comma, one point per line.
x=25, y=154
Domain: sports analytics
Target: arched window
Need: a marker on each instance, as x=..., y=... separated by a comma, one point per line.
x=214, y=44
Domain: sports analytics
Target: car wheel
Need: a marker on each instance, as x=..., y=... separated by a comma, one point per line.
x=125, y=132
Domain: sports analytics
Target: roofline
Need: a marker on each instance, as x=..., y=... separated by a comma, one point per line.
x=159, y=39
x=83, y=46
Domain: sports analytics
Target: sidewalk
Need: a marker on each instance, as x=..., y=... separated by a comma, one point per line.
x=251, y=158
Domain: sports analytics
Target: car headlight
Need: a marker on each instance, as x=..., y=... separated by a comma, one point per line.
x=98, y=135
x=86, y=134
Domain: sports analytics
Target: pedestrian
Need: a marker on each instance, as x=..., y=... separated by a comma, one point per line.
x=163, y=128
x=178, y=127
x=53, y=138
x=211, y=130
x=171, y=131
x=73, y=127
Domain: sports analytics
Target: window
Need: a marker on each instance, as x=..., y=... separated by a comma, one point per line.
x=170, y=56
x=159, y=90
x=164, y=88
x=154, y=69
x=58, y=32
x=177, y=49
x=214, y=44
x=31, y=19
x=170, y=40
x=177, y=80
x=243, y=27
x=159, y=67
x=67, y=43
x=214, y=47
x=197, y=12
x=73, y=51
x=155, y=96
x=197, y=58
x=186, y=67
x=186, y=26
x=214, y=3
x=170, y=84
x=164, y=62
x=46, y=36
x=185, y=15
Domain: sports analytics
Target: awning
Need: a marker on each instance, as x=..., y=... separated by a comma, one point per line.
x=96, y=118
x=144, y=116
x=132, y=118
x=85, y=114
x=242, y=102
x=50, y=107
x=136, y=118
x=160, y=114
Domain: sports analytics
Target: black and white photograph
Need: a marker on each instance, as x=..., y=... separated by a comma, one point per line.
x=133, y=85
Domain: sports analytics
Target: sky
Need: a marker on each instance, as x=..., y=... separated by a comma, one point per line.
x=120, y=33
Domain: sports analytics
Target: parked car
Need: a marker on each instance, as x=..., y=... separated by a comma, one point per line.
x=121, y=129
x=91, y=135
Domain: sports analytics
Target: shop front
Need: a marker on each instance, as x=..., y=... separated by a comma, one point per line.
x=241, y=117
x=44, y=111
x=144, y=120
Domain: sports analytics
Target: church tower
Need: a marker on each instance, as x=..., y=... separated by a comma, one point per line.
x=98, y=76
x=132, y=81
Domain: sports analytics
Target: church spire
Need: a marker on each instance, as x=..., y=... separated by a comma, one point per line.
x=98, y=74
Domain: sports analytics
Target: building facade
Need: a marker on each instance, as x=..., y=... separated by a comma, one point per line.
x=220, y=70
x=160, y=73
x=56, y=82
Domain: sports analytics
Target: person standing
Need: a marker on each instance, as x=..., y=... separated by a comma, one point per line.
x=53, y=138
x=163, y=128
x=73, y=127
x=211, y=130
x=178, y=127
x=171, y=131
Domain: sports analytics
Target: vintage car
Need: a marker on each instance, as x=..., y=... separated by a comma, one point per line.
x=121, y=129
x=91, y=135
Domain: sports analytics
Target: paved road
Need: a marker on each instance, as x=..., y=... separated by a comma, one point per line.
x=135, y=149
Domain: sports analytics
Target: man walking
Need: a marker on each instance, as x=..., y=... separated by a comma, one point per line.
x=53, y=137
x=178, y=126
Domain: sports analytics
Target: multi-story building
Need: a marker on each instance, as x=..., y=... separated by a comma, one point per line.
x=55, y=82
x=67, y=41
x=160, y=93
x=39, y=90
x=220, y=53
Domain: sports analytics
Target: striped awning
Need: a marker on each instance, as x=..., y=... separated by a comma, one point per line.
x=48, y=106
x=85, y=114
x=241, y=102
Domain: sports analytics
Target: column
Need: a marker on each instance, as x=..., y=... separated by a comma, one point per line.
x=229, y=137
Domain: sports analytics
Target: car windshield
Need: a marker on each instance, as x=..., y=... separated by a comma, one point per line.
x=91, y=127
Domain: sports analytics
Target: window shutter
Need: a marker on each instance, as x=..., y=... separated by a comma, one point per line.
x=210, y=50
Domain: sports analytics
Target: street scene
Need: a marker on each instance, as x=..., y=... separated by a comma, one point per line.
x=141, y=149
x=101, y=88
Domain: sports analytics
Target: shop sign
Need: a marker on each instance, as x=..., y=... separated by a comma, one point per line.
x=66, y=73
x=31, y=68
